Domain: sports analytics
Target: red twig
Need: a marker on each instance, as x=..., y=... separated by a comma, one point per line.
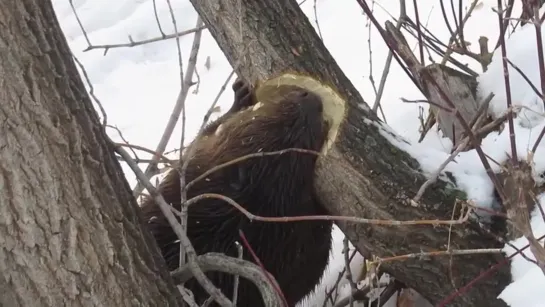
x=256, y=259
x=507, y=85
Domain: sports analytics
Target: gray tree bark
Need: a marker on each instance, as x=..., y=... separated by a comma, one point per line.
x=363, y=175
x=70, y=231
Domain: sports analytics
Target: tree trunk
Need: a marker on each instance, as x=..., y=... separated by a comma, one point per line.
x=363, y=174
x=70, y=230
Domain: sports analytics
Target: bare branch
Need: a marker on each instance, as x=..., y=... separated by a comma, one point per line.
x=133, y=43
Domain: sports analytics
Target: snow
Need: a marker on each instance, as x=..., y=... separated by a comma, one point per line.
x=524, y=56
x=138, y=88
x=528, y=279
x=527, y=288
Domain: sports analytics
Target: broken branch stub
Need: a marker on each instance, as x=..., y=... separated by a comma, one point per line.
x=458, y=87
x=361, y=173
x=461, y=89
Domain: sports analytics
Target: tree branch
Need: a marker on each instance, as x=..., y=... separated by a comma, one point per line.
x=363, y=173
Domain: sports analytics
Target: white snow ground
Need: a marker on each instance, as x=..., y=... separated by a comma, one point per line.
x=138, y=88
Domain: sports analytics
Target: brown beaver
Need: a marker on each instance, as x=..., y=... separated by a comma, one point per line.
x=295, y=253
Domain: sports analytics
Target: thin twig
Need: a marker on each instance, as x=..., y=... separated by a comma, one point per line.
x=92, y=91
x=188, y=247
x=80, y=23
x=388, y=63
x=157, y=21
x=151, y=169
x=132, y=43
x=510, y=119
x=288, y=219
x=185, y=90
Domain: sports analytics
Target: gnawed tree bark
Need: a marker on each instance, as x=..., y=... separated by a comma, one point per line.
x=70, y=232
x=363, y=174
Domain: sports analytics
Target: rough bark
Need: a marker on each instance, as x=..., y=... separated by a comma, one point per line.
x=70, y=230
x=462, y=88
x=363, y=174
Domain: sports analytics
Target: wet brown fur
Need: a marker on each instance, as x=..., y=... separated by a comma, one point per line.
x=295, y=253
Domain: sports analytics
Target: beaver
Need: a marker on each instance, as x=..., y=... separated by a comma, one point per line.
x=295, y=253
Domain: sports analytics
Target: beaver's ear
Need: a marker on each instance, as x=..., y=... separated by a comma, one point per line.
x=239, y=82
x=244, y=96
